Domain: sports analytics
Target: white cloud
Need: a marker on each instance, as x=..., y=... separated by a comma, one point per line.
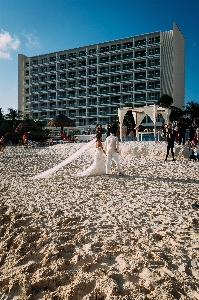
x=7, y=44
x=32, y=40
x=5, y=55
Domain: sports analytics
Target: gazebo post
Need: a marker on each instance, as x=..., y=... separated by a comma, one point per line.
x=154, y=116
x=121, y=114
x=136, y=124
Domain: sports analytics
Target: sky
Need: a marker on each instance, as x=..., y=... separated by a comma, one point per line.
x=34, y=27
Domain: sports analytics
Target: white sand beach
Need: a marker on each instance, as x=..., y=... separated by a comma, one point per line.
x=103, y=237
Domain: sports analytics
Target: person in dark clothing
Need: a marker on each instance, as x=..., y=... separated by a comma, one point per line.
x=170, y=139
x=181, y=130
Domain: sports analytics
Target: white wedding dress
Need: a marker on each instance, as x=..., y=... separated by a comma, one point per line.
x=97, y=167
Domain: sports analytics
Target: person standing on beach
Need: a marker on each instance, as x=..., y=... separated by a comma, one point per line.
x=2, y=145
x=107, y=129
x=112, y=150
x=170, y=139
x=181, y=130
x=124, y=132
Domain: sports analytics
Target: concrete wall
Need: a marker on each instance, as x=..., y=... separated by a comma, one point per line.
x=20, y=81
x=178, y=67
x=167, y=63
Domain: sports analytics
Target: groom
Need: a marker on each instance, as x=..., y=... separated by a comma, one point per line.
x=112, y=149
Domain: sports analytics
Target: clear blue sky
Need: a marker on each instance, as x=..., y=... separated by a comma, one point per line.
x=33, y=27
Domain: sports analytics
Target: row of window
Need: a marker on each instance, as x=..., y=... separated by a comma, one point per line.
x=119, y=46
x=112, y=58
x=102, y=101
x=153, y=84
x=104, y=90
x=115, y=68
x=95, y=81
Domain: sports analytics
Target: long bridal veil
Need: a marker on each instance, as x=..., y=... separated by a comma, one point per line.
x=65, y=162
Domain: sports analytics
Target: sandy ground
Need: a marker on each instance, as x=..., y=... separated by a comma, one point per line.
x=103, y=237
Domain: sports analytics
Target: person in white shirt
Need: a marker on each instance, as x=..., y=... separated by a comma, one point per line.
x=195, y=153
x=112, y=149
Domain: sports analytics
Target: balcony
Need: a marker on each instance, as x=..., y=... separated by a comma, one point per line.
x=93, y=104
x=114, y=112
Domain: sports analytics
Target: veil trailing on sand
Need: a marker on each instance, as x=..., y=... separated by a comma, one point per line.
x=65, y=162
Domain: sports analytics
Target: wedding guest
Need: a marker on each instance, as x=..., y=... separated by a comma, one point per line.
x=2, y=145
x=89, y=130
x=25, y=138
x=195, y=153
x=124, y=132
x=170, y=140
x=131, y=132
x=107, y=129
x=181, y=130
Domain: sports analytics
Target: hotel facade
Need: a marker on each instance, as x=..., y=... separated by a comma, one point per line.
x=90, y=83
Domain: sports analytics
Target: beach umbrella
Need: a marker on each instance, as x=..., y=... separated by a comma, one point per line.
x=61, y=121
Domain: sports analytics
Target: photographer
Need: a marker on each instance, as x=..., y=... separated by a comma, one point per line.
x=170, y=139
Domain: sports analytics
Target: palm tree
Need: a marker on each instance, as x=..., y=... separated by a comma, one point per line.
x=175, y=113
x=192, y=108
x=165, y=101
x=13, y=116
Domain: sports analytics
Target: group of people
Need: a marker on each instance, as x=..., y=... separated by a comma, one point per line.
x=176, y=133
x=27, y=138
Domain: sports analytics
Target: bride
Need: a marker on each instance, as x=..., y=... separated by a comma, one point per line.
x=98, y=166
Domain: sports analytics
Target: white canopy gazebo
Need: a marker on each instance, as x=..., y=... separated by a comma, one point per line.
x=140, y=112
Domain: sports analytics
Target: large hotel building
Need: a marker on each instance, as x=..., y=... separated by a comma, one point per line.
x=89, y=83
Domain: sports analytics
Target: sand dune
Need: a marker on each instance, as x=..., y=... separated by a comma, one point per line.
x=129, y=237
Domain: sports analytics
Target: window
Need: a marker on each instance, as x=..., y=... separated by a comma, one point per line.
x=113, y=47
x=92, y=81
x=82, y=73
x=63, y=95
x=82, y=53
x=92, y=51
x=127, y=77
x=92, y=61
x=72, y=55
x=154, y=62
x=140, y=53
x=52, y=68
x=35, y=62
x=71, y=84
x=92, y=71
x=82, y=83
x=127, y=66
x=104, y=80
x=104, y=59
x=153, y=40
x=63, y=57
x=82, y=93
x=116, y=78
x=141, y=64
x=82, y=63
x=71, y=75
x=92, y=91
x=62, y=85
x=52, y=87
x=63, y=76
x=52, y=58
x=140, y=43
x=104, y=90
x=44, y=60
